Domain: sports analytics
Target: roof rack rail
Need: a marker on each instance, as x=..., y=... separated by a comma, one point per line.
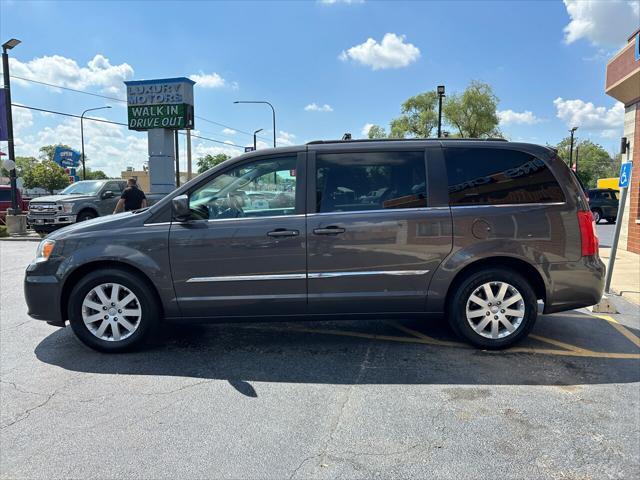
x=448, y=139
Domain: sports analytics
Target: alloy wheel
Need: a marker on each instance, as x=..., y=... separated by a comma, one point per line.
x=111, y=312
x=495, y=310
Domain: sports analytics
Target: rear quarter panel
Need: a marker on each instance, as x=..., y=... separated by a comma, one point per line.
x=545, y=235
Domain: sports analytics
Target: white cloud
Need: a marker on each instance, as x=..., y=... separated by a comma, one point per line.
x=22, y=120
x=208, y=80
x=104, y=144
x=392, y=52
x=578, y=113
x=66, y=72
x=366, y=128
x=313, y=107
x=509, y=117
x=229, y=131
x=285, y=138
x=601, y=22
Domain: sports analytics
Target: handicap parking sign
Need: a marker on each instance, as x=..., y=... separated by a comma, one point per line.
x=625, y=175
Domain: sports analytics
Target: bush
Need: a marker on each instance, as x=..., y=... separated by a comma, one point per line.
x=3, y=231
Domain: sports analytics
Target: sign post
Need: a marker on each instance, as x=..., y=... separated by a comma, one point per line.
x=161, y=107
x=623, y=183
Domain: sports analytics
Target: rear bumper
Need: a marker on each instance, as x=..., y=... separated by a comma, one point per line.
x=574, y=284
x=42, y=294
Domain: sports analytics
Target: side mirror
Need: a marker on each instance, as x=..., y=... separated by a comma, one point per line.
x=180, y=206
x=107, y=194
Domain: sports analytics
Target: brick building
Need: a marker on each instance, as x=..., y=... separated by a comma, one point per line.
x=623, y=84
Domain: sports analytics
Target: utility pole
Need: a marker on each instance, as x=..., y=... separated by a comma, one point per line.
x=189, y=168
x=273, y=112
x=15, y=208
x=177, y=142
x=572, y=131
x=255, y=142
x=577, y=152
x=84, y=170
x=440, y=95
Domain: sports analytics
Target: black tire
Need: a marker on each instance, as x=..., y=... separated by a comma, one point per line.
x=457, y=307
x=597, y=215
x=85, y=215
x=149, y=318
x=611, y=220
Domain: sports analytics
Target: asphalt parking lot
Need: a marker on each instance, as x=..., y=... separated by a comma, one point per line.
x=362, y=399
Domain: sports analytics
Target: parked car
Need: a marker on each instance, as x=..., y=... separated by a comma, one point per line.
x=478, y=231
x=78, y=202
x=603, y=203
x=5, y=201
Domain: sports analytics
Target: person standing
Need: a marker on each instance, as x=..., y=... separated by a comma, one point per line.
x=132, y=198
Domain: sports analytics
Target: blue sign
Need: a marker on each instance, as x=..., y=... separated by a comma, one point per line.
x=625, y=175
x=66, y=157
x=4, y=129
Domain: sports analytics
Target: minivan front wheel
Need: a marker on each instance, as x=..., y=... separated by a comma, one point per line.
x=112, y=310
x=493, y=308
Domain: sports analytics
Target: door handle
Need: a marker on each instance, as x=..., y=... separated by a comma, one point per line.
x=332, y=230
x=283, y=232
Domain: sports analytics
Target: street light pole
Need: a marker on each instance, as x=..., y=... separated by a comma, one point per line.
x=273, y=111
x=15, y=208
x=572, y=131
x=255, y=143
x=84, y=170
x=440, y=95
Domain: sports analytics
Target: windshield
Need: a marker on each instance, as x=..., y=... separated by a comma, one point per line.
x=83, y=188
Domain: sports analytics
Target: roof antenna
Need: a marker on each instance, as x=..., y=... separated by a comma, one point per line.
x=346, y=136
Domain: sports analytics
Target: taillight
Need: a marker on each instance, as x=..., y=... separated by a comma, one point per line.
x=588, y=233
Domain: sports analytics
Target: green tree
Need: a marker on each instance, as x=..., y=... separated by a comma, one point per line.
x=94, y=174
x=376, y=131
x=47, y=175
x=210, y=161
x=419, y=117
x=594, y=161
x=474, y=113
x=23, y=165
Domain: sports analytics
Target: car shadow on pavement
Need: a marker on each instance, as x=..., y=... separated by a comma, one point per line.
x=363, y=352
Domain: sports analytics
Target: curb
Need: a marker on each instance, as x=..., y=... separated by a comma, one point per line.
x=22, y=238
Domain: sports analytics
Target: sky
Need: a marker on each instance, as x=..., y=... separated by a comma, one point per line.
x=327, y=66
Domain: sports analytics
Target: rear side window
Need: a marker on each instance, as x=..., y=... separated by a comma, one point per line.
x=496, y=176
x=5, y=195
x=370, y=181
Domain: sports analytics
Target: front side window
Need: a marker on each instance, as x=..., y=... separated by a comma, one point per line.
x=370, y=181
x=263, y=188
x=498, y=176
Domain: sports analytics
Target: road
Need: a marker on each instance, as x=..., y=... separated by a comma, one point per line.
x=318, y=400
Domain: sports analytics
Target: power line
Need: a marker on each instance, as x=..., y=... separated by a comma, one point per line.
x=117, y=123
x=121, y=100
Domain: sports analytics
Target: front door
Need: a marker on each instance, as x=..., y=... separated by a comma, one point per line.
x=374, y=241
x=243, y=252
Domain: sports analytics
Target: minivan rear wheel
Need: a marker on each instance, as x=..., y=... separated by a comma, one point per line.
x=493, y=308
x=112, y=310
x=597, y=215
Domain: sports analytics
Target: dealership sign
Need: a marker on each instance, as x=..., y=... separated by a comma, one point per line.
x=164, y=103
x=66, y=157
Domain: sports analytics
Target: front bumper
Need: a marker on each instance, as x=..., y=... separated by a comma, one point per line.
x=42, y=292
x=51, y=221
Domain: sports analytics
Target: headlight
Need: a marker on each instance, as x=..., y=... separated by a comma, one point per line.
x=44, y=250
x=67, y=207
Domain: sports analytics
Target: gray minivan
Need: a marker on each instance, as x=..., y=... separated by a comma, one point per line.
x=476, y=230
